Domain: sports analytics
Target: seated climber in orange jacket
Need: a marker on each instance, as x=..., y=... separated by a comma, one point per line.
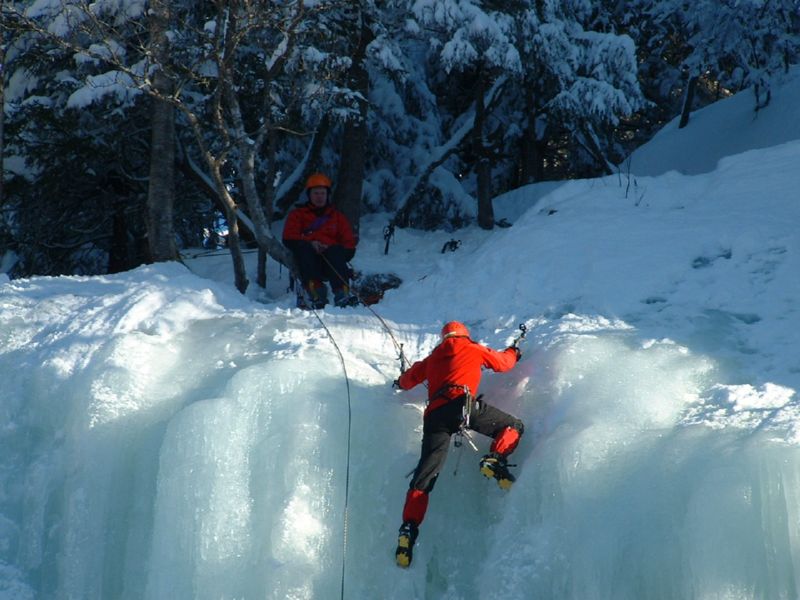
x=453, y=372
x=322, y=242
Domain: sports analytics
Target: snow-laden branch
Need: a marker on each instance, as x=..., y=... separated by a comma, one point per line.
x=441, y=154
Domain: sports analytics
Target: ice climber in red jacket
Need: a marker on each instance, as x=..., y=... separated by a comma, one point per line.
x=453, y=373
x=322, y=242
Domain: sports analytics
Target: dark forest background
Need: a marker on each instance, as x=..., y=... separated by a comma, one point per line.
x=133, y=130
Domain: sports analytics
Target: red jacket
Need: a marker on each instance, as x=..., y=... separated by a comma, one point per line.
x=328, y=226
x=456, y=361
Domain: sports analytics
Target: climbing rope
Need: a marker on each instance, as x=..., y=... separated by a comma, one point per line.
x=398, y=346
x=349, y=431
x=403, y=367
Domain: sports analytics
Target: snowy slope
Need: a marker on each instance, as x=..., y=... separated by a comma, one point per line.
x=165, y=437
x=726, y=128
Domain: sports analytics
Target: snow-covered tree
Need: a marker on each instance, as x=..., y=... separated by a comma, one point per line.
x=256, y=69
x=742, y=43
x=720, y=45
x=580, y=80
x=404, y=121
x=425, y=109
x=564, y=80
x=473, y=46
x=240, y=73
x=73, y=165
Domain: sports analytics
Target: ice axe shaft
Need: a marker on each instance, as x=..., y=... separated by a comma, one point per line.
x=523, y=331
x=403, y=360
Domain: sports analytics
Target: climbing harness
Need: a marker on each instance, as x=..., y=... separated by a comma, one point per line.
x=471, y=405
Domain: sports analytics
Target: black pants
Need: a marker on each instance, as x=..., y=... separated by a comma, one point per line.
x=442, y=423
x=333, y=267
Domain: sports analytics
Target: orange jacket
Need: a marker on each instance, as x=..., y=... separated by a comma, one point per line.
x=328, y=226
x=456, y=361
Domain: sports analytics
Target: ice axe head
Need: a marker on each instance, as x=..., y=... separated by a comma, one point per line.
x=523, y=330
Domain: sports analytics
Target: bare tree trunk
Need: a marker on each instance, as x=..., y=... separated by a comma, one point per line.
x=354, y=138
x=261, y=268
x=161, y=189
x=586, y=137
x=484, y=166
x=485, y=208
x=350, y=178
x=269, y=203
x=228, y=116
x=3, y=43
x=239, y=270
x=687, y=101
x=247, y=149
x=763, y=95
x=531, y=158
x=118, y=256
x=526, y=166
x=214, y=164
x=531, y=164
x=234, y=239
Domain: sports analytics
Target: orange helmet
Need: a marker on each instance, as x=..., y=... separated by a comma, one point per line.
x=318, y=180
x=454, y=329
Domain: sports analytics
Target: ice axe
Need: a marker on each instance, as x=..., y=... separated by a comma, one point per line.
x=523, y=330
x=403, y=366
x=403, y=360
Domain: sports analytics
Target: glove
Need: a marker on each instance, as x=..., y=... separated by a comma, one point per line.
x=517, y=352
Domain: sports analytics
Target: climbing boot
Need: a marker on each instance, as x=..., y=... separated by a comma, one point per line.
x=317, y=294
x=300, y=294
x=342, y=297
x=494, y=466
x=405, y=544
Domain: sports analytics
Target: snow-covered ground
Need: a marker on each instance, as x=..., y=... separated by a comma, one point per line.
x=731, y=127
x=164, y=437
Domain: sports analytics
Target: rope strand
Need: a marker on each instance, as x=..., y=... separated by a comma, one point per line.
x=349, y=431
x=398, y=346
x=403, y=364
